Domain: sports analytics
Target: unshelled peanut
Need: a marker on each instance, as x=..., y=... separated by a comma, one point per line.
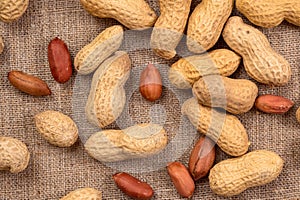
x=1, y=45
x=11, y=10
x=107, y=95
x=14, y=155
x=186, y=71
x=84, y=194
x=93, y=54
x=224, y=129
x=261, y=62
x=270, y=13
x=298, y=115
x=57, y=128
x=169, y=27
x=138, y=141
x=233, y=176
x=134, y=14
x=206, y=23
x=235, y=95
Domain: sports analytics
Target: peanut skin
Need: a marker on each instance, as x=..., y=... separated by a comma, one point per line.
x=59, y=60
x=273, y=104
x=133, y=187
x=233, y=176
x=261, y=62
x=181, y=179
x=270, y=13
x=28, y=83
x=150, y=83
x=202, y=158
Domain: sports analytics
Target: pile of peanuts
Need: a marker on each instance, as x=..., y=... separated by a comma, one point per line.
x=206, y=74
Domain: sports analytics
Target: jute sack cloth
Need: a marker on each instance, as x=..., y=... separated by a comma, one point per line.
x=54, y=172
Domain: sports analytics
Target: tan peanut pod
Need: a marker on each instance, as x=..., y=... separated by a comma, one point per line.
x=233, y=176
x=270, y=13
x=237, y=96
x=224, y=129
x=84, y=194
x=138, y=141
x=14, y=155
x=57, y=128
x=261, y=62
x=186, y=71
x=11, y=10
x=206, y=23
x=1, y=45
x=169, y=27
x=298, y=115
x=107, y=95
x=134, y=14
x=93, y=54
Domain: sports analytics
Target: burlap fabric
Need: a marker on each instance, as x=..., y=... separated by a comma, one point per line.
x=53, y=171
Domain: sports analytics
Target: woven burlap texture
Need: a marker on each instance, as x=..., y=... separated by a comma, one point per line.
x=54, y=172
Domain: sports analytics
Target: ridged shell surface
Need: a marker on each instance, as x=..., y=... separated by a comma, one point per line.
x=260, y=60
x=233, y=176
x=226, y=130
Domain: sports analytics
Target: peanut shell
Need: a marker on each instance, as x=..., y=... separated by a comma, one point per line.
x=169, y=27
x=206, y=24
x=233, y=176
x=138, y=141
x=237, y=96
x=261, y=62
x=11, y=10
x=84, y=194
x=186, y=71
x=14, y=155
x=57, y=128
x=298, y=115
x=1, y=45
x=107, y=95
x=93, y=54
x=134, y=14
x=224, y=129
x=270, y=13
